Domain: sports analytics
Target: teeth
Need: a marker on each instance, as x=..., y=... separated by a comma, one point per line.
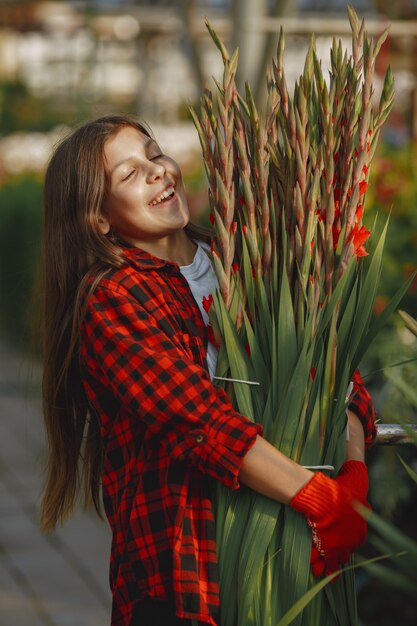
x=166, y=194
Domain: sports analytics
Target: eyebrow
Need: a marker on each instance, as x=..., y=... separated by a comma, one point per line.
x=129, y=158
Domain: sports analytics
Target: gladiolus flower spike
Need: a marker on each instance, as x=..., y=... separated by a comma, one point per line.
x=287, y=194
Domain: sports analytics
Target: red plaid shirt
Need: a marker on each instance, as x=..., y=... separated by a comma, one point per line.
x=165, y=428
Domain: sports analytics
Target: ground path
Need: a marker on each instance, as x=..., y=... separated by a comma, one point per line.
x=56, y=580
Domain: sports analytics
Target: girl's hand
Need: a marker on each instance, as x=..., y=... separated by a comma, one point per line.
x=338, y=529
x=327, y=555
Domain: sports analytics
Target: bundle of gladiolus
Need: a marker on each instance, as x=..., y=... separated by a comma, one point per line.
x=298, y=273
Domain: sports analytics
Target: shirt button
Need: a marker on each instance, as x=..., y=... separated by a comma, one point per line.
x=199, y=438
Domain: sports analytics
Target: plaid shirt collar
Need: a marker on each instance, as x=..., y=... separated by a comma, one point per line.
x=143, y=260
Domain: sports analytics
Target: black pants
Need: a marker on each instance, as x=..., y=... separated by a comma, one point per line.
x=150, y=612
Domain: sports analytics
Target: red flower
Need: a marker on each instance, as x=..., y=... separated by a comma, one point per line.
x=207, y=302
x=245, y=229
x=311, y=246
x=313, y=373
x=212, y=218
x=235, y=268
x=356, y=153
x=359, y=212
x=363, y=186
x=365, y=169
x=242, y=201
x=361, y=252
x=311, y=279
x=234, y=226
x=211, y=336
x=359, y=236
x=380, y=304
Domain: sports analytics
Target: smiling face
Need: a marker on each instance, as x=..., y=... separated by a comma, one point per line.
x=146, y=201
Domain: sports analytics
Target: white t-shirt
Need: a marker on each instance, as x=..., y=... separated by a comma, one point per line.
x=202, y=281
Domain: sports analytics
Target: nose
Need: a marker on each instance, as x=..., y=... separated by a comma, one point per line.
x=155, y=171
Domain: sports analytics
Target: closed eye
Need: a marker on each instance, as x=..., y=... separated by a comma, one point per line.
x=158, y=156
x=128, y=175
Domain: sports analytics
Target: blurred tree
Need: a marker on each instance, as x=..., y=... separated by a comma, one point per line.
x=188, y=8
x=19, y=109
x=397, y=9
x=256, y=48
x=20, y=224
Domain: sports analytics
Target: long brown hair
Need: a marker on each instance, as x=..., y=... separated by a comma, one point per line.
x=74, y=251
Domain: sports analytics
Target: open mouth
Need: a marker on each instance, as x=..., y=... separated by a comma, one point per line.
x=164, y=197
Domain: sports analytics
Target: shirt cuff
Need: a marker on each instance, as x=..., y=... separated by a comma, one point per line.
x=215, y=452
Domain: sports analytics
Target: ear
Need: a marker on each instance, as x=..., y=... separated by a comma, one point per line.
x=103, y=224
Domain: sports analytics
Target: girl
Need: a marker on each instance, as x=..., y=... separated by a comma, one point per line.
x=129, y=402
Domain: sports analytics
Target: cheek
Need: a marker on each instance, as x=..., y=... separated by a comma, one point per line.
x=122, y=202
x=174, y=169
x=179, y=185
x=183, y=195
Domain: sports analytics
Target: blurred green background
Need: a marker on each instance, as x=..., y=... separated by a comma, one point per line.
x=65, y=62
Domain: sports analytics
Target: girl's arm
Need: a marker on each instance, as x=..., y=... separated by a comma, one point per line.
x=355, y=445
x=269, y=472
x=338, y=529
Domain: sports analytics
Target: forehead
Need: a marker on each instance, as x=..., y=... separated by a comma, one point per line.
x=124, y=144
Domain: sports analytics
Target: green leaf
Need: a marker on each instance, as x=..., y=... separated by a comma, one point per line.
x=219, y=44
x=240, y=366
x=394, y=538
x=259, y=530
x=230, y=523
x=286, y=337
x=408, y=469
x=294, y=559
x=409, y=321
x=330, y=307
x=380, y=322
x=393, y=579
x=366, y=299
x=288, y=618
x=406, y=390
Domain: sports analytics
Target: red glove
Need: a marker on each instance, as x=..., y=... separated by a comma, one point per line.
x=338, y=530
x=360, y=403
x=354, y=476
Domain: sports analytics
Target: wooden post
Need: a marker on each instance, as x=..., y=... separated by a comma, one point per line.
x=393, y=435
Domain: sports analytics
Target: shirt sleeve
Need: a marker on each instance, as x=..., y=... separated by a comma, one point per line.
x=155, y=377
x=361, y=404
